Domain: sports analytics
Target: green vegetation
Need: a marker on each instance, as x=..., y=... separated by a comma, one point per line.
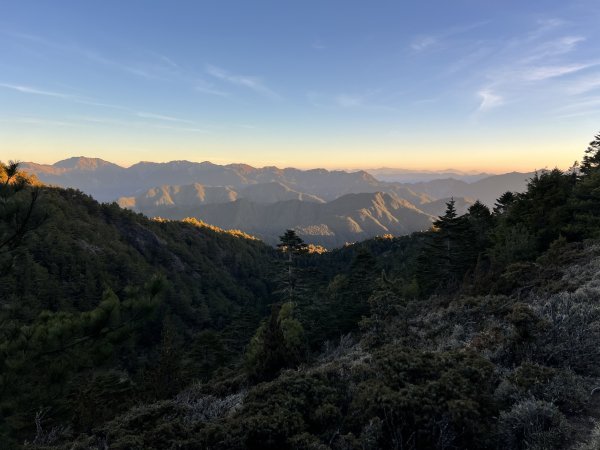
x=122, y=332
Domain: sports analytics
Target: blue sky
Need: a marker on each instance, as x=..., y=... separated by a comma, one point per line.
x=474, y=85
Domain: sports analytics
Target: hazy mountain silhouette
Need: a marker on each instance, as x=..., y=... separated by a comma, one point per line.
x=487, y=190
x=106, y=181
x=327, y=207
x=349, y=218
x=160, y=200
x=418, y=176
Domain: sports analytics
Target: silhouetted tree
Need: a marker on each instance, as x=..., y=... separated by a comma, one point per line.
x=445, y=257
x=503, y=203
x=18, y=199
x=291, y=245
x=591, y=160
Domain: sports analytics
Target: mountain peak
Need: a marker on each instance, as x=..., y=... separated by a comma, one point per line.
x=83, y=163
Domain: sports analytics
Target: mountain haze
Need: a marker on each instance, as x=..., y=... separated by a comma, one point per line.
x=349, y=218
x=417, y=176
x=106, y=181
x=325, y=207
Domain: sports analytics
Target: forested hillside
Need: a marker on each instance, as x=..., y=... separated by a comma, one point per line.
x=122, y=332
x=99, y=302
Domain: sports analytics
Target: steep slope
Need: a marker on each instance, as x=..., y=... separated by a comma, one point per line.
x=107, y=182
x=275, y=192
x=93, y=176
x=158, y=201
x=349, y=218
x=78, y=280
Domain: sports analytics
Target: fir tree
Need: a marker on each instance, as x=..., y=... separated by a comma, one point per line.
x=503, y=203
x=291, y=245
x=591, y=160
x=445, y=257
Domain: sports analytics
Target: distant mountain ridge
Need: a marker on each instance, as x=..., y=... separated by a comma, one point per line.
x=107, y=181
x=349, y=218
x=160, y=200
x=418, y=176
x=327, y=207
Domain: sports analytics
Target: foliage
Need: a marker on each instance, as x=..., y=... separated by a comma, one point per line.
x=479, y=333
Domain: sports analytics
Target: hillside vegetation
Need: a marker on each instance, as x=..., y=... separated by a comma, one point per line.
x=328, y=208
x=122, y=332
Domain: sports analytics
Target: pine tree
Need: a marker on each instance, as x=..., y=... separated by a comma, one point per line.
x=445, y=257
x=267, y=352
x=291, y=245
x=591, y=160
x=503, y=203
x=18, y=215
x=585, y=204
x=480, y=222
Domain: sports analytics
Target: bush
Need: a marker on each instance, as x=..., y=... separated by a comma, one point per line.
x=532, y=425
x=573, y=332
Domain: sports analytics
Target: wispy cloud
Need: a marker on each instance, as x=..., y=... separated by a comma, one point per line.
x=37, y=121
x=141, y=124
x=549, y=23
x=489, y=100
x=28, y=90
x=147, y=71
x=368, y=101
x=147, y=115
x=586, y=84
x=582, y=113
x=251, y=82
x=553, y=48
x=348, y=101
x=205, y=87
x=530, y=64
x=588, y=103
x=545, y=72
x=422, y=42
x=34, y=91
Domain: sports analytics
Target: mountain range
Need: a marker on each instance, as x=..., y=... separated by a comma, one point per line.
x=325, y=207
x=417, y=176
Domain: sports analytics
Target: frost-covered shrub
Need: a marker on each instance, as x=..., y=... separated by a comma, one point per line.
x=572, y=332
x=206, y=408
x=533, y=425
x=593, y=440
x=568, y=391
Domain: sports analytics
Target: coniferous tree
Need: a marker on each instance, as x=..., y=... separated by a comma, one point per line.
x=585, y=203
x=445, y=257
x=18, y=198
x=480, y=223
x=591, y=160
x=291, y=245
x=503, y=203
x=275, y=345
x=361, y=279
x=543, y=209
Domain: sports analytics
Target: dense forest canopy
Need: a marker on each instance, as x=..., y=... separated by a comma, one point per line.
x=117, y=331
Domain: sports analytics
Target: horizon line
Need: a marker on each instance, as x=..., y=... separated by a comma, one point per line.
x=409, y=169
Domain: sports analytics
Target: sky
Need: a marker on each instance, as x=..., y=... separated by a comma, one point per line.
x=484, y=85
